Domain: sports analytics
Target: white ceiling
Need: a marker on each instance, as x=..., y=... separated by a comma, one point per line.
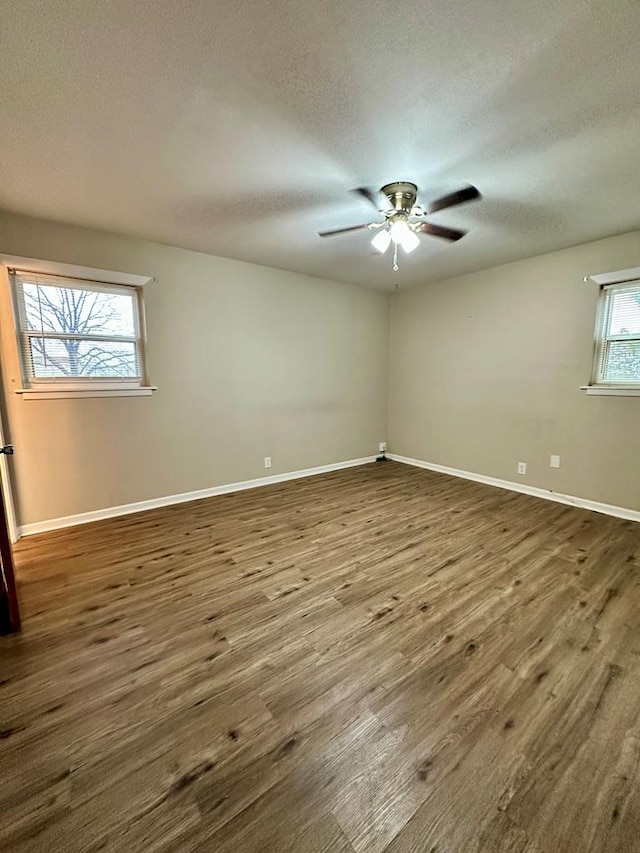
x=237, y=127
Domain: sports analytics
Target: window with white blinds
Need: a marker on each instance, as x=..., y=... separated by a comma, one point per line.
x=617, y=352
x=78, y=333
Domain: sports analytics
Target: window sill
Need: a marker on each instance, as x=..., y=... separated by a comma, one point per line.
x=608, y=391
x=72, y=393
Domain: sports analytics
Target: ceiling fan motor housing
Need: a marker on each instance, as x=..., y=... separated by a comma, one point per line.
x=402, y=195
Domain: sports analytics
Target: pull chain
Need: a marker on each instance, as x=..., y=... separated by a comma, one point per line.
x=395, y=258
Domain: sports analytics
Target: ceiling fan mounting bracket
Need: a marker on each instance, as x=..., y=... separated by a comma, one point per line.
x=402, y=195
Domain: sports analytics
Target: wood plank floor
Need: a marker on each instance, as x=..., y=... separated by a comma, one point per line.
x=378, y=659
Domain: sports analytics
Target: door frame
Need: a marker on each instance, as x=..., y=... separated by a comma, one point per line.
x=8, y=577
x=7, y=493
x=6, y=474
x=10, y=616
x=8, y=535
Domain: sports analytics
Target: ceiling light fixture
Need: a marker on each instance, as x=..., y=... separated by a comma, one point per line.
x=403, y=220
x=397, y=230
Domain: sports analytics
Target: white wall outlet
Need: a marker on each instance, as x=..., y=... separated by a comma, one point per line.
x=267, y=462
x=522, y=467
x=555, y=462
x=382, y=446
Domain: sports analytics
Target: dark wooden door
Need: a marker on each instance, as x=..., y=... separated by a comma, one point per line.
x=9, y=611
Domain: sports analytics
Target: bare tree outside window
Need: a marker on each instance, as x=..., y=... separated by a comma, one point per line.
x=80, y=332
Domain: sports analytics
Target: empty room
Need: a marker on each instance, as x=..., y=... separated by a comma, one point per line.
x=319, y=427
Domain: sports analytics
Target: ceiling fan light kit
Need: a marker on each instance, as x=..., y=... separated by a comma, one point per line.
x=401, y=233
x=404, y=219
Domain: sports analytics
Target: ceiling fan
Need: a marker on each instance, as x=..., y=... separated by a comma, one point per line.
x=404, y=219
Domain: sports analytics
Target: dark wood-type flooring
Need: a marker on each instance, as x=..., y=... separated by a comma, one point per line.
x=378, y=659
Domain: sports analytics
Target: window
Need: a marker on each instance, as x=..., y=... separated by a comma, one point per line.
x=77, y=334
x=617, y=353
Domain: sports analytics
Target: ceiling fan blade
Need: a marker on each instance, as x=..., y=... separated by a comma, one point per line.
x=367, y=194
x=459, y=197
x=374, y=197
x=342, y=230
x=440, y=231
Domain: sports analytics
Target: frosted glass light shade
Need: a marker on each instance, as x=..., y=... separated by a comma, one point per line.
x=410, y=241
x=381, y=241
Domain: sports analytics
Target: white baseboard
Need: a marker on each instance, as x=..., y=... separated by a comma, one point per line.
x=547, y=494
x=155, y=503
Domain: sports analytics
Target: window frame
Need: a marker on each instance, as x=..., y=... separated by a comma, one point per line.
x=44, y=388
x=602, y=340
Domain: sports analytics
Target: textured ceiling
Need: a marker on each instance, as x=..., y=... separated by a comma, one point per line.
x=238, y=128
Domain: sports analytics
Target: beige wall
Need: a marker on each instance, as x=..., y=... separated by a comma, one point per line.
x=249, y=361
x=486, y=369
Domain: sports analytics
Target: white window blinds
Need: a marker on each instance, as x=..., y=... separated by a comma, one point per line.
x=617, y=356
x=74, y=331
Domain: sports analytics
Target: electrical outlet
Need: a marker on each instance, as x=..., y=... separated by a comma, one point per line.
x=267, y=462
x=555, y=462
x=522, y=467
x=382, y=446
